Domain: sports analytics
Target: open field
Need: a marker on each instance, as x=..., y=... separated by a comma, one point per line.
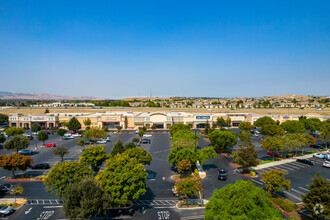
x=282, y=111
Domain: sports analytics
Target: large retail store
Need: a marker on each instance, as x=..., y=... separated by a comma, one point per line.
x=135, y=120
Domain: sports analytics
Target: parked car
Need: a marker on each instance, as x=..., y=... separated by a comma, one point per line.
x=319, y=146
x=50, y=145
x=147, y=135
x=35, y=133
x=101, y=141
x=30, y=137
x=306, y=161
x=1, y=146
x=67, y=134
x=318, y=155
x=26, y=134
x=276, y=154
x=41, y=166
x=222, y=174
x=87, y=142
x=145, y=141
x=67, y=138
x=6, y=188
x=25, y=152
x=107, y=138
x=137, y=131
x=76, y=135
x=5, y=210
x=326, y=163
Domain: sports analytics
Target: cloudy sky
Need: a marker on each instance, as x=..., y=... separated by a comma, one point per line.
x=116, y=49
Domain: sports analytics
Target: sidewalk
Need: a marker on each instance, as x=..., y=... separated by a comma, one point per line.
x=9, y=200
x=284, y=161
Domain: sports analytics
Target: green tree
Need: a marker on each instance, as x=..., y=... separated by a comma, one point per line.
x=222, y=139
x=14, y=162
x=247, y=156
x=319, y=193
x=81, y=142
x=2, y=138
x=325, y=132
x=17, y=190
x=62, y=174
x=118, y=148
x=178, y=127
x=272, y=130
x=46, y=110
x=292, y=126
x=74, y=124
x=18, y=142
x=228, y=121
x=142, y=155
x=245, y=137
x=87, y=122
x=3, y=118
x=136, y=140
x=35, y=127
x=61, y=152
x=264, y=121
x=221, y=122
x=14, y=131
x=274, y=180
x=245, y=125
x=312, y=124
x=188, y=188
x=272, y=144
x=207, y=127
x=176, y=155
x=94, y=156
x=42, y=136
x=123, y=179
x=61, y=131
x=185, y=139
x=95, y=133
x=141, y=132
x=84, y=200
x=241, y=200
x=130, y=145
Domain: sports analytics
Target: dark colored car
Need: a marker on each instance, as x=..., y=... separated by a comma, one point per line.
x=145, y=141
x=41, y=166
x=276, y=154
x=222, y=174
x=1, y=146
x=319, y=146
x=25, y=152
x=30, y=137
x=6, y=188
x=306, y=161
x=87, y=142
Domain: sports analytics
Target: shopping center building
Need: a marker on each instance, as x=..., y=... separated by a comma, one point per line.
x=135, y=120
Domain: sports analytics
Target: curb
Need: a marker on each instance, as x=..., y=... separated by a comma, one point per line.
x=279, y=208
x=256, y=176
x=207, y=140
x=182, y=180
x=192, y=207
x=283, y=161
x=24, y=180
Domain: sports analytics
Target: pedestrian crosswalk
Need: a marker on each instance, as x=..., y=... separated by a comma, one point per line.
x=155, y=202
x=294, y=194
x=44, y=202
x=292, y=166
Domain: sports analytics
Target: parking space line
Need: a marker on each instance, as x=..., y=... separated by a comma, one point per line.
x=298, y=164
x=303, y=188
x=297, y=191
x=280, y=167
x=256, y=181
x=305, y=165
x=291, y=166
x=293, y=196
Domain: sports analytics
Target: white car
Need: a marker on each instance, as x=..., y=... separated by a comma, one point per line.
x=147, y=135
x=101, y=142
x=318, y=155
x=67, y=135
x=26, y=135
x=107, y=139
x=326, y=163
x=76, y=135
x=328, y=151
x=35, y=133
x=137, y=131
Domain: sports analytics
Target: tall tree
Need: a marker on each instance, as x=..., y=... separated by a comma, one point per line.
x=74, y=124
x=241, y=200
x=312, y=124
x=87, y=122
x=325, y=132
x=223, y=139
x=272, y=144
x=247, y=156
x=46, y=110
x=318, y=197
x=62, y=174
x=14, y=162
x=177, y=127
x=142, y=155
x=95, y=133
x=272, y=130
x=228, y=121
x=94, y=156
x=3, y=118
x=35, y=127
x=275, y=181
x=61, y=131
x=118, y=148
x=14, y=131
x=61, y=152
x=84, y=200
x=123, y=179
x=245, y=137
x=2, y=138
x=264, y=121
x=176, y=155
x=42, y=136
x=188, y=188
x=221, y=122
x=245, y=125
x=18, y=142
x=292, y=126
x=183, y=167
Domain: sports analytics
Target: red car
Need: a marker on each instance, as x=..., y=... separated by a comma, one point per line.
x=276, y=154
x=50, y=145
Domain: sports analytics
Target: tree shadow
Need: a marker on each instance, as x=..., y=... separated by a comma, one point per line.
x=209, y=167
x=151, y=174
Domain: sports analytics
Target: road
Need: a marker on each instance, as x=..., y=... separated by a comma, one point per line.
x=159, y=202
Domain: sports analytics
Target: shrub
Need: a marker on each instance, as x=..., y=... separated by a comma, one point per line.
x=285, y=204
x=196, y=173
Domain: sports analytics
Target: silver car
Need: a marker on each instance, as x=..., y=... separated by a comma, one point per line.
x=5, y=210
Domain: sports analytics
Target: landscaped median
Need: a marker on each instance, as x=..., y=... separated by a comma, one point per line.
x=15, y=203
x=192, y=204
x=26, y=178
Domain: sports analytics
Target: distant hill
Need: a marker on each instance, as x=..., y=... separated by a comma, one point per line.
x=42, y=96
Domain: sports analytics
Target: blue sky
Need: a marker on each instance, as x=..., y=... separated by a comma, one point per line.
x=116, y=49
